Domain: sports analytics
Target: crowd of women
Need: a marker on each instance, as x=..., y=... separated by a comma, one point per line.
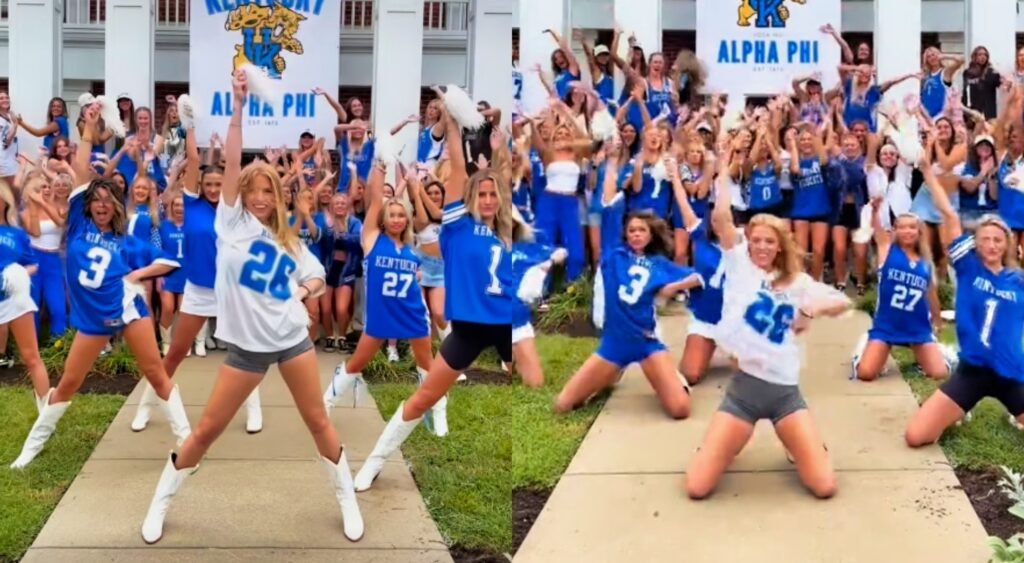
x=665, y=192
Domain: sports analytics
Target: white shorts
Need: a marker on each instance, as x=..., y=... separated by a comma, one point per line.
x=20, y=301
x=701, y=328
x=199, y=301
x=522, y=333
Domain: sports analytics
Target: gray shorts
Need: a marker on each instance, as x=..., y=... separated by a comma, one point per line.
x=260, y=362
x=753, y=399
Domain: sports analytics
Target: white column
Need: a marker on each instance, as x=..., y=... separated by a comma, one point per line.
x=535, y=46
x=992, y=24
x=35, y=46
x=397, y=67
x=490, y=54
x=130, y=31
x=898, y=44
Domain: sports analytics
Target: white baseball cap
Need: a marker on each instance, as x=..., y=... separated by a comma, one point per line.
x=600, y=50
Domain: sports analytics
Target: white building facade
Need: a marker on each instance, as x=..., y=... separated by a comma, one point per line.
x=67, y=47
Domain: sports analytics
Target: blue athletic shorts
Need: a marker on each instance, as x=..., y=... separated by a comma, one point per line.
x=622, y=353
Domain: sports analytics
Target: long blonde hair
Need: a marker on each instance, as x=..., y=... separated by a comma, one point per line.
x=923, y=248
x=789, y=261
x=506, y=226
x=7, y=195
x=278, y=223
x=151, y=200
x=382, y=217
x=993, y=220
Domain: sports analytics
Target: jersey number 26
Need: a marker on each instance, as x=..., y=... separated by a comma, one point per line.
x=268, y=271
x=769, y=319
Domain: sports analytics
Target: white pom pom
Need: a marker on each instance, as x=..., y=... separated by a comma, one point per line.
x=387, y=149
x=659, y=172
x=187, y=112
x=111, y=116
x=865, y=232
x=1015, y=179
x=908, y=141
x=86, y=99
x=603, y=126
x=462, y=108
x=261, y=84
x=532, y=287
x=16, y=281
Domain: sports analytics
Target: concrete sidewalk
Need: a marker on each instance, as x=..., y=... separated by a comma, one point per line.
x=622, y=497
x=261, y=497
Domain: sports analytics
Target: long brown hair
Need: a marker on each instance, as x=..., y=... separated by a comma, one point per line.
x=118, y=223
x=278, y=223
x=661, y=242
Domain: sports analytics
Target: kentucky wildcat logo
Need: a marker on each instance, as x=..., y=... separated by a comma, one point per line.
x=266, y=32
x=769, y=13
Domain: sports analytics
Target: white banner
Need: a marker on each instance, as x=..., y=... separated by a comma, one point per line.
x=295, y=41
x=757, y=47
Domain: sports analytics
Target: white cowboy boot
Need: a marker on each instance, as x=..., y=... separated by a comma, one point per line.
x=174, y=410
x=436, y=419
x=170, y=481
x=858, y=351
x=146, y=402
x=390, y=440
x=165, y=340
x=340, y=384
x=253, y=412
x=40, y=402
x=200, y=344
x=41, y=431
x=341, y=478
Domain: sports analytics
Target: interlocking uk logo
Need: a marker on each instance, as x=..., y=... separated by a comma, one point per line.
x=768, y=13
x=266, y=33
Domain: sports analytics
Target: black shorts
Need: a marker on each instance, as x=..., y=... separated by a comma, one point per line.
x=334, y=274
x=780, y=210
x=848, y=217
x=468, y=340
x=971, y=383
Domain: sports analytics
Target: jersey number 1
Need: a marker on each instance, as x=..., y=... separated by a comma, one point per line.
x=494, y=288
x=990, y=317
x=267, y=271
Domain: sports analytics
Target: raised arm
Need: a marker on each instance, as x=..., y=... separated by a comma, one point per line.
x=950, y=228
x=883, y=240
x=721, y=215
x=374, y=199
x=48, y=129
x=233, y=144
x=884, y=87
x=83, y=154
x=337, y=107
x=843, y=45
x=690, y=219
x=563, y=44
x=950, y=65
x=455, y=188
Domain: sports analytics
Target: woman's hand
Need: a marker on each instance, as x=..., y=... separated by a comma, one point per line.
x=240, y=88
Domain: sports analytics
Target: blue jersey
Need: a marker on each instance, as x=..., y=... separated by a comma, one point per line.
x=980, y=199
x=172, y=239
x=62, y=131
x=810, y=196
x=521, y=199
x=200, y=241
x=612, y=217
x=477, y=270
x=764, y=188
x=96, y=265
x=699, y=205
x=1011, y=201
x=989, y=312
x=654, y=195
x=14, y=249
x=307, y=237
x=517, y=84
x=538, y=177
x=363, y=159
x=631, y=283
x=861, y=109
x=394, y=300
x=933, y=94
x=706, y=301
x=525, y=255
x=339, y=246
x=140, y=225
x=562, y=82
x=429, y=149
x=660, y=101
x=902, y=314
x=605, y=89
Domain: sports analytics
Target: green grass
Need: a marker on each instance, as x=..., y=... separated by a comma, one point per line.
x=544, y=442
x=986, y=442
x=27, y=497
x=465, y=476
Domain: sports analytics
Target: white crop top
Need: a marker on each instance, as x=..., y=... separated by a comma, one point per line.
x=49, y=236
x=429, y=235
x=563, y=177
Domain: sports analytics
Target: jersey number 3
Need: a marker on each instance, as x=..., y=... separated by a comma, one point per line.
x=267, y=271
x=638, y=278
x=769, y=319
x=93, y=278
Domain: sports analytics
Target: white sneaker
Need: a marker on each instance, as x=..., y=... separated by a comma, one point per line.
x=393, y=354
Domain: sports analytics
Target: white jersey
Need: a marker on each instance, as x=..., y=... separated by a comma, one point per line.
x=8, y=151
x=257, y=283
x=895, y=194
x=756, y=319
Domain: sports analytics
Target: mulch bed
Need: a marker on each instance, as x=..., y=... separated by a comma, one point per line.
x=989, y=502
x=481, y=376
x=122, y=384
x=465, y=555
x=526, y=507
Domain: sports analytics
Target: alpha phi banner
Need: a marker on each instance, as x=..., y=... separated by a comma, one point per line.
x=295, y=41
x=757, y=47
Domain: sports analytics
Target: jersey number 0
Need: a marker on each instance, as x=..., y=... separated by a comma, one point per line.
x=268, y=271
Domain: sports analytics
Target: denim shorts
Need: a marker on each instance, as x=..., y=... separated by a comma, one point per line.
x=432, y=269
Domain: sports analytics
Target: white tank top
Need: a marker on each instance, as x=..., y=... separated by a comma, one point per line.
x=49, y=236
x=429, y=235
x=563, y=177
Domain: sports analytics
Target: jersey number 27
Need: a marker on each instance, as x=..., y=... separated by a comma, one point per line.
x=268, y=271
